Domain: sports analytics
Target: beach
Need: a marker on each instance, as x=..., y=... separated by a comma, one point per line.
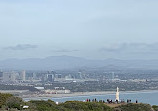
x=75, y=94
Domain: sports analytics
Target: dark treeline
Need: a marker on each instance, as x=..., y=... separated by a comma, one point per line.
x=17, y=87
x=90, y=86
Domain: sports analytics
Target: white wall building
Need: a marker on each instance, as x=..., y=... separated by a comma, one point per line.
x=23, y=75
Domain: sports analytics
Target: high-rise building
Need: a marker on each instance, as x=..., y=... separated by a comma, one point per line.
x=34, y=76
x=113, y=76
x=1, y=75
x=13, y=76
x=23, y=75
x=9, y=76
x=50, y=76
x=58, y=76
x=6, y=76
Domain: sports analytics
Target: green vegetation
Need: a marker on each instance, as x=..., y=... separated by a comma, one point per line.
x=4, y=98
x=68, y=106
x=12, y=103
x=17, y=87
x=92, y=86
x=85, y=106
x=155, y=107
x=134, y=107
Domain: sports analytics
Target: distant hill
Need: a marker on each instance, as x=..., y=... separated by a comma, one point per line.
x=70, y=62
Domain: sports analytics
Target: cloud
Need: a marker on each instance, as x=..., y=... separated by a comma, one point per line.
x=111, y=48
x=131, y=48
x=21, y=47
x=65, y=50
x=130, y=51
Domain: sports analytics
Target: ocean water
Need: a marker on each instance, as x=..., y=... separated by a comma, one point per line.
x=149, y=97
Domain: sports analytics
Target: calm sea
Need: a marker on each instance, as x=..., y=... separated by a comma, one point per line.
x=150, y=97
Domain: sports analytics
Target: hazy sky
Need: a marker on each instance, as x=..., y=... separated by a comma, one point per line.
x=96, y=29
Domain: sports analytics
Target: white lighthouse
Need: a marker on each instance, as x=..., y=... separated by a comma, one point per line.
x=117, y=94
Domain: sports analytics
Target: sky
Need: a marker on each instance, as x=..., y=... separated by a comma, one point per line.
x=93, y=29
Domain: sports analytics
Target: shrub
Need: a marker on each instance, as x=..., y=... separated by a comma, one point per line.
x=135, y=107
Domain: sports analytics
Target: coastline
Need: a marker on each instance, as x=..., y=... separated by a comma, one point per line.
x=49, y=96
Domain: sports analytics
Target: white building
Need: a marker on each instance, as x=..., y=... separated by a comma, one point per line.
x=9, y=76
x=6, y=76
x=117, y=94
x=23, y=75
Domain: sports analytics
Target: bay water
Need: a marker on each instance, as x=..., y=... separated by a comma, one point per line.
x=149, y=97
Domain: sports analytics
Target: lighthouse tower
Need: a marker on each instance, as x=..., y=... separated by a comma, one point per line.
x=117, y=94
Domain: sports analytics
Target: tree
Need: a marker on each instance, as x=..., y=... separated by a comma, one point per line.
x=3, y=98
x=14, y=102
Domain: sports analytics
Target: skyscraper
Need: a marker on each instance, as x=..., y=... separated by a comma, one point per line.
x=6, y=76
x=23, y=75
x=50, y=76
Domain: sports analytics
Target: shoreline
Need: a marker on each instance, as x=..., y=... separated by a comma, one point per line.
x=49, y=96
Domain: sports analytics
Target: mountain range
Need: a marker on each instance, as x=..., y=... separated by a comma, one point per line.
x=70, y=62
